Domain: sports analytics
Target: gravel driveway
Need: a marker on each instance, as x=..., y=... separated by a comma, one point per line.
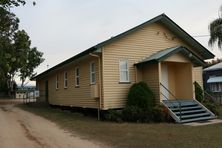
x=20, y=129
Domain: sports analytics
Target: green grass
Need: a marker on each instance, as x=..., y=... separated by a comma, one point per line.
x=132, y=134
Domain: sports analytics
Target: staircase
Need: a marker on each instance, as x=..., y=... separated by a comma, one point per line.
x=184, y=111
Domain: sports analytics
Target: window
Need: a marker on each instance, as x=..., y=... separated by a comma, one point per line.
x=123, y=70
x=65, y=79
x=92, y=73
x=77, y=76
x=216, y=87
x=57, y=82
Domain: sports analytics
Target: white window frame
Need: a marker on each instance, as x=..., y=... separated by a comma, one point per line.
x=57, y=82
x=92, y=73
x=77, y=77
x=65, y=79
x=124, y=70
x=216, y=87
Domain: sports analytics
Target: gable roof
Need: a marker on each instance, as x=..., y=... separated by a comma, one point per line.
x=217, y=66
x=171, y=25
x=163, y=54
x=163, y=19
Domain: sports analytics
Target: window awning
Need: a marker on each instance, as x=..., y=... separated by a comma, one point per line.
x=215, y=79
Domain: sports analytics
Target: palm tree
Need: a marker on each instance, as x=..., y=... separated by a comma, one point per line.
x=215, y=29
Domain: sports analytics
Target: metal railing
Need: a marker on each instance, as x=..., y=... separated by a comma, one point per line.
x=174, y=97
x=215, y=97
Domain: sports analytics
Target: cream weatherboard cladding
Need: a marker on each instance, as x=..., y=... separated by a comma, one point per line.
x=72, y=95
x=134, y=47
x=197, y=75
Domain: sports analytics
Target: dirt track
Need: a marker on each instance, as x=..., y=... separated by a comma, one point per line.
x=21, y=129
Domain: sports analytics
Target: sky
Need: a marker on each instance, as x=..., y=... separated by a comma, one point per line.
x=63, y=28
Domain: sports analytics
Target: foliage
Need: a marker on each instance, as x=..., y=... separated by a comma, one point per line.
x=159, y=114
x=3, y=87
x=213, y=61
x=215, y=29
x=136, y=114
x=114, y=115
x=140, y=107
x=198, y=92
x=140, y=96
x=16, y=54
x=206, y=102
x=211, y=106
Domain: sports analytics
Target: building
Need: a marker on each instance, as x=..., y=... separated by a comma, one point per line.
x=158, y=52
x=25, y=92
x=212, y=77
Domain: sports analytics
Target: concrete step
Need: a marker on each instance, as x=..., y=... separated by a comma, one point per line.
x=194, y=115
x=183, y=111
x=198, y=119
x=200, y=110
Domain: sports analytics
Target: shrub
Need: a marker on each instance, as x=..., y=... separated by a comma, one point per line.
x=140, y=107
x=140, y=96
x=211, y=106
x=198, y=92
x=114, y=115
x=3, y=87
x=136, y=114
x=158, y=114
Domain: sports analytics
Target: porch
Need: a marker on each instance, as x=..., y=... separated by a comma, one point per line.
x=169, y=73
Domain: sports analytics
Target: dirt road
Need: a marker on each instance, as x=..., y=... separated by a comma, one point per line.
x=21, y=129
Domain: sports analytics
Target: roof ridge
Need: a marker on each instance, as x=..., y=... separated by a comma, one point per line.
x=163, y=18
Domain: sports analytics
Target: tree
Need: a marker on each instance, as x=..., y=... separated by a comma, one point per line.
x=16, y=54
x=215, y=29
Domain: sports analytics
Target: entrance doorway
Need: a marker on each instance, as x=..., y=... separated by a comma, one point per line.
x=177, y=80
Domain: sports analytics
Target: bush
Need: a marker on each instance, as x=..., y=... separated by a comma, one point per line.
x=140, y=106
x=136, y=114
x=3, y=87
x=198, y=92
x=211, y=106
x=114, y=115
x=159, y=114
x=140, y=96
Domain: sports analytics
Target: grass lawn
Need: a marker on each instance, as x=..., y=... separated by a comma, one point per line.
x=132, y=134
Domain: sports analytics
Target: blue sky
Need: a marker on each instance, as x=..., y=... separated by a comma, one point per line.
x=63, y=28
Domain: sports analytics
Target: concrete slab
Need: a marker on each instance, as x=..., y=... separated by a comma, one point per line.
x=202, y=123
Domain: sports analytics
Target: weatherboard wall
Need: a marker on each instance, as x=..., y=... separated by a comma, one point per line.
x=72, y=95
x=41, y=87
x=134, y=47
x=197, y=75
